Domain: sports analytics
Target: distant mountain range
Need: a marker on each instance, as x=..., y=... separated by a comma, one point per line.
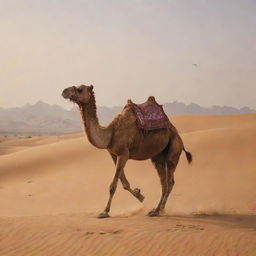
x=42, y=118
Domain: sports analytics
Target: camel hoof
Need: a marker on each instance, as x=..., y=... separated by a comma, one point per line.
x=103, y=215
x=138, y=195
x=153, y=213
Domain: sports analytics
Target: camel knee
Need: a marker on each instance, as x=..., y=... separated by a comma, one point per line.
x=112, y=188
x=126, y=184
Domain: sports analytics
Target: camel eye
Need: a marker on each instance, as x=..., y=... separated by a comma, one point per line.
x=80, y=90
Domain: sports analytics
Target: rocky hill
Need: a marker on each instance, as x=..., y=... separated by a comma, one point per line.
x=42, y=118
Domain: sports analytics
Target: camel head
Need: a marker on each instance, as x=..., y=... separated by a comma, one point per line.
x=78, y=94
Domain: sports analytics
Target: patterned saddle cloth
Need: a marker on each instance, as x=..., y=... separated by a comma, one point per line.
x=150, y=115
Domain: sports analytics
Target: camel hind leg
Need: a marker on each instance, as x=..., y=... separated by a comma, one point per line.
x=161, y=170
x=159, y=162
x=166, y=163
x=173, y=156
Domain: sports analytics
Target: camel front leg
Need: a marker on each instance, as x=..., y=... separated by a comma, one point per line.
x=126, y=185
x=119, y=168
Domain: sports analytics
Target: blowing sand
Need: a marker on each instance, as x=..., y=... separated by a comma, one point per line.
x=51, y=189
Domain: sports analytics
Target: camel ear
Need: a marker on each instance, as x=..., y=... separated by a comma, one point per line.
x=91, y=87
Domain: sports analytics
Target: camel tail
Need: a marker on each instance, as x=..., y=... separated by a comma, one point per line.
x=188, y=156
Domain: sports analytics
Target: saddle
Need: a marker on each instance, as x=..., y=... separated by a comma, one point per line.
x=150, y=115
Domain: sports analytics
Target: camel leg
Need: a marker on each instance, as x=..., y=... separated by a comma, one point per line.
x=165, y=164
x=126, y=185
x=161, y=169
x=170, y=183
x=173, y=157
x=119, y=167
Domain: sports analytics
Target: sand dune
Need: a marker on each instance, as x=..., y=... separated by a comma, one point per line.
x=191, y=123
x=11, y=144
x=51, y=191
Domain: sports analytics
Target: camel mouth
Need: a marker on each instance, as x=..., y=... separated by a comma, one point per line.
x=73, y=100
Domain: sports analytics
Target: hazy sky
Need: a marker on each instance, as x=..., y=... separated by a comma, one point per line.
x=129, y=49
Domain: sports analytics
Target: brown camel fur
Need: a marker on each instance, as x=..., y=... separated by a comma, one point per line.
x=124, y=140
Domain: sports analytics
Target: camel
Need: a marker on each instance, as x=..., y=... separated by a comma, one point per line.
x=124, y=140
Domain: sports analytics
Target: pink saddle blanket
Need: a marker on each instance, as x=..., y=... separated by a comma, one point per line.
x=150, y=115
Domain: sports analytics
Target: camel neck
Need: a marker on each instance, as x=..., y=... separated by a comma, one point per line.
x=98, y=136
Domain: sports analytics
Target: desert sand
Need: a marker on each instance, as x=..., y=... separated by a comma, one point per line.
x=52, y=188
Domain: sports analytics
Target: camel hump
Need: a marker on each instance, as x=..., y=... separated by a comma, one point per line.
x=130, y=101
